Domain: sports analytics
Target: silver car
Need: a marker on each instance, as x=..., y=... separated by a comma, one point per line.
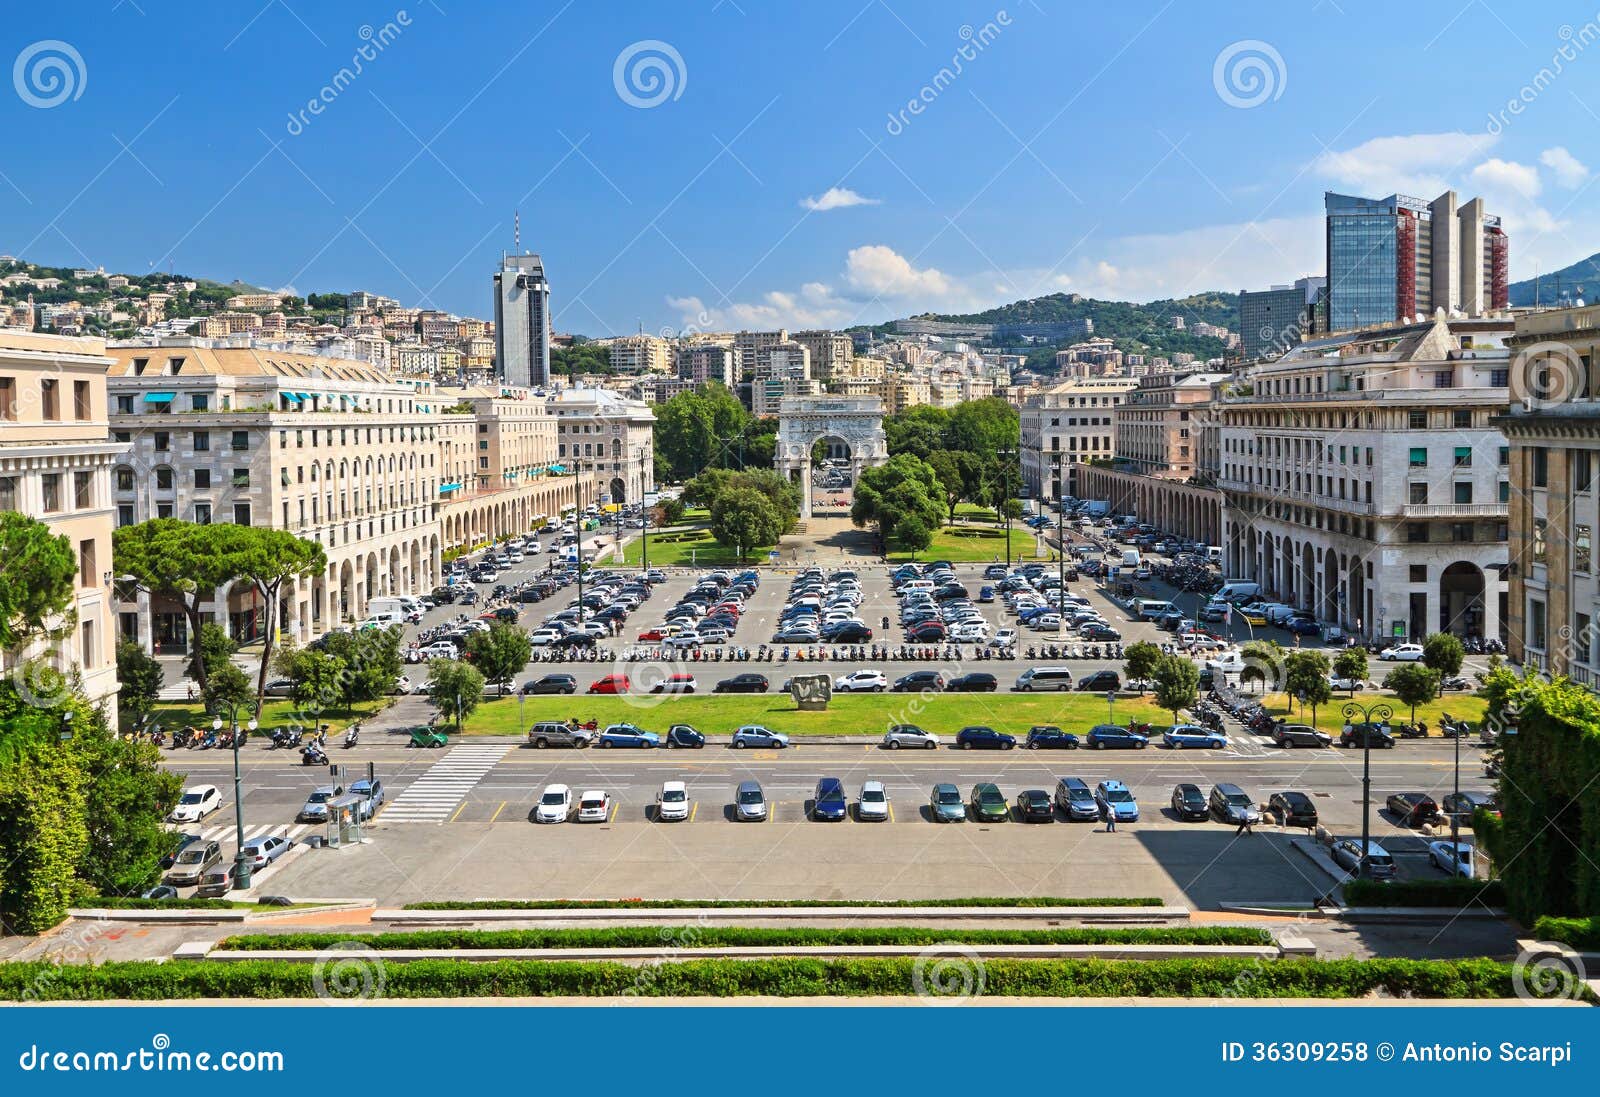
x=909, y=735
x=749, y=804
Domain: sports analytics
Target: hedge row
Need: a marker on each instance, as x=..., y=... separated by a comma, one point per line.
x=691, y=937
x=1580, y=933
x=1425, y=893
x=133, y=902
x=1205, y=978
x=713, y=904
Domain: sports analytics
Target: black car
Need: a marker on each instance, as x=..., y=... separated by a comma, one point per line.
x=976, y=682
x=1188, y=802
x=918, y=681
x=1292, y=809
x=550, y=683
x=950, y=591
x=1101, y=634
x=925, y=632
x=1462, y=805
x=742, y=683
x=851, y=632
x=1372, y=735
x=1412, y=808
x=1050, y=737
x=979, y=737
x=683, y=735
x=1034, y=806
x=1101, y=681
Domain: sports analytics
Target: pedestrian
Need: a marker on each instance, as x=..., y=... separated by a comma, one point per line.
x=1108, y=813
x=1246, y=825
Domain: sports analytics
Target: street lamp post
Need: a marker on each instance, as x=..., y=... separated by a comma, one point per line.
x=1111, y=706
x=241, y=866
x=1004, y=501
x=644, y=516
x=1061, y=556
x=1368, y=713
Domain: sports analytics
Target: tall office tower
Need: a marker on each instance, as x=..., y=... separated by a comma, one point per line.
x=1273, y=320
x=522, y=321
x=1398, y=256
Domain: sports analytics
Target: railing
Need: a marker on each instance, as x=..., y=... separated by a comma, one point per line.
x=1453, y=510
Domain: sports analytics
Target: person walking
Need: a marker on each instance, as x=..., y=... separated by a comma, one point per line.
x=1246, y=826
x=1108, y=813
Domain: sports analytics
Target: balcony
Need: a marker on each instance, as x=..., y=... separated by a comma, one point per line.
x=1453, y=510
x=1298, y=498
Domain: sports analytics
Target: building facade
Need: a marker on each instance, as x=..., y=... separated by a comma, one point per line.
x=1065, y=427
x=606, y=439
x=1273, y=320
x=522, y=322
x=702, y=363
x=55, y=465
x=1159, y=426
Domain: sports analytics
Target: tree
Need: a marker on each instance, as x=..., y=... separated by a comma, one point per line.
x=743, y=518
x=1139, y=662
x=269, y=558
x=1443, y=652
x=1413, y=684
x=912, y=534
x=227, y=690
x=890, y=494
x=1263, y=662
x=317, y=680
x=983, y=426
x=216, y=647
x=183, y=562
x=703, y=490
x=372, y=663
x=1177, y=683
x=1351, y=663
x=127, y=795
x=1305, y=677
x=917, y=431
x=140, y=678
x=695, y=430
x=669, y=512
x=456, y=688
x=957, y=472
x=37, y=578
x=500, y=653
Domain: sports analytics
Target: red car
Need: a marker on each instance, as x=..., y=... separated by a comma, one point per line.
x=611, y=683
x=652, y=634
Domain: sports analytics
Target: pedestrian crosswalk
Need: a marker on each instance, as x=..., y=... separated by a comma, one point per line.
x=433, y=796
x=226, y=832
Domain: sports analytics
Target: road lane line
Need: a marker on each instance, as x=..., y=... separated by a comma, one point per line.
x=498, y=810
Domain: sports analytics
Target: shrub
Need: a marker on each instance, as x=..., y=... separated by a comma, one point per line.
x=133, y=902
x=1579, y=933
x=713, y=904
x=1424, y=893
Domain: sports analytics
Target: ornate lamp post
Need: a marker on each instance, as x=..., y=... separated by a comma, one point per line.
x=1369, y=714
x=241, y=866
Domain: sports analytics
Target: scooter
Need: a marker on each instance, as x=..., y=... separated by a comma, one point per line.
x=312, y=755
x=351, y=735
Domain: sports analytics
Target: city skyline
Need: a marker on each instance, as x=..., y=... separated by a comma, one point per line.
x=779, y=195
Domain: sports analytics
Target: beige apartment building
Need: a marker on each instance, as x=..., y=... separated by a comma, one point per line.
x=831, y=352
x=1066, y=426
x=55, y=465
x=641, y=354
x=1158, y=429
x=1553, y=427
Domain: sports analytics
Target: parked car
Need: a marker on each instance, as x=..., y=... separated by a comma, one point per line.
x=555, y=805
x=749, y=804
x=1300, y=735
x=945, y=804
x=672, y=802
x=315, y=809
x=217, y=881
x=1412, y=808
x=873, y=803
x=195, y=803
x=1454, y=858
x=550, y=733
x=1115, y=737
x=1188, y=802
x=1119, y=799
x=610, y=683
x=1181, y=736
x=1346, y=854
x=909, y=735
x=628, y=735
x=1050, y=737
x=742, y=683
x=1463, y=805
x=975, y=682
x=828, y=803
x=988, y=806
x=1101, y=681
x=684, y=735
x=675, y=683
x=594, y=806
x=1034, y=806
x=754, y=735
x=1401, y=653
x=1292, y=809
x=193, y=862
x=861, y=681
x=1232, y=805
x=1369, y=735
x=1075, y=799
x=261, y=852
x=184, y=840
x=919, y=681
x=372, y=797
x=979, y=737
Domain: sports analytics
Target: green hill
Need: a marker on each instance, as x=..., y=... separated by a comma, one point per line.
x=1580, y=279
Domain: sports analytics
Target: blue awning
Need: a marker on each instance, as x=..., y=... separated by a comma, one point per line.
x=558, y=468
x=159, y=397
x=448, y=487
x=292, y=397
x=301, y=396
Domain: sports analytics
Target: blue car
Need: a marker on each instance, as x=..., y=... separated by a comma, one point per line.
x=1115, y=737
x=986, y=594
x=1303, y=626
x=830, y=803
x=1118, y=799
x=995, y=571
x=1048, y=736
x=628, y=735
x=1193, y=735
x=979, y=737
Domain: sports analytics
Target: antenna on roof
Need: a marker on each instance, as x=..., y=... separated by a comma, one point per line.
x=516, y=229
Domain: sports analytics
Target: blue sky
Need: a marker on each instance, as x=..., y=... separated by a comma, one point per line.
x=774, y=173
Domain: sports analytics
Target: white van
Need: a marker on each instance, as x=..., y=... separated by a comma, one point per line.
x=1213, y=554
x=917, y=585
x=1237, y=591
x=1041, y=678
x=1131, y=558
x=1153, y=610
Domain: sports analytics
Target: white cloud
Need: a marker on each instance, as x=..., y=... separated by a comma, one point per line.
x=1419, y=164
x=1507, y=175
x=883, y=272
x=836, y=198
x=1569, y=172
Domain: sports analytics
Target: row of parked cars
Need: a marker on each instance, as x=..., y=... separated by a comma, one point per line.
x=708, y=614
x=822, y=608
x=1034, y=594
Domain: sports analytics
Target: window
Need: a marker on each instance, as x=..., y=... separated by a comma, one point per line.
x=241, y=479
x=1581, y=635
x=82, y=401
x=1461, y=419
x=1463, y=457
x=163, y=441
x=241, y=514
x=1417, y=532
x=164, y=478
x=1499, y=378
x=163, y=510
x=124, y=478
x=8, y=493
x=50, y=399
x=241, y=440
x=1582, y=470
x=1541, y=467
x=1539, y=544
x=1505, y=456
x=1419, y=457
x=202, y=441
x=1417, y=420
x=1419, y=493
x=91, y=656
x=202, y=479
x=1505, y=491
x=124, y=405
x=50, y=483
x=1444, y=379
x=83, y=490
x=86, y=560
x=124, y=514
x=202, y=514
x=1460, y=532
x=200, y=402
x=1463, y=491
x=8, y=398
x=1418, y=573
x=1581, y=550
x=1536, y=623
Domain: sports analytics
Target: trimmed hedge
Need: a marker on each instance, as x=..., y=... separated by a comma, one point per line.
x=714, y=904
x=1204, y=978
x=133, y=902
x=691, y=937
x=1579, y=933
x=1424, y=893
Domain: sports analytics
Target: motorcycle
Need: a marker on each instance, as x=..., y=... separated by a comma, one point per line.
x=312, y=755
x=351, y=735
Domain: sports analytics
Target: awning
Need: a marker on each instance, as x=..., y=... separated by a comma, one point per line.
x=448, y=487
x=292, y=397
x=159, y=397
x=301, y=396
x=558, y=468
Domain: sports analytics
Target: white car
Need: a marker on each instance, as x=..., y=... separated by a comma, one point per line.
x=873, y=805
x=861, y=681
x=1004, y=638
x=969, y=633
x=554, y=806
x=672, y=802
x=544, y=637
x=594, y=806
x=1401, y=653
x=1346, y=685
x=1449, y=857
x=196, y=802
x=532, y=547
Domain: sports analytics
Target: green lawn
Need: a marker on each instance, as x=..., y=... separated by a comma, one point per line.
x=172, y=715
x=1330, y=717
x=850, y=714
x=668, y=551
x=974, y=544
